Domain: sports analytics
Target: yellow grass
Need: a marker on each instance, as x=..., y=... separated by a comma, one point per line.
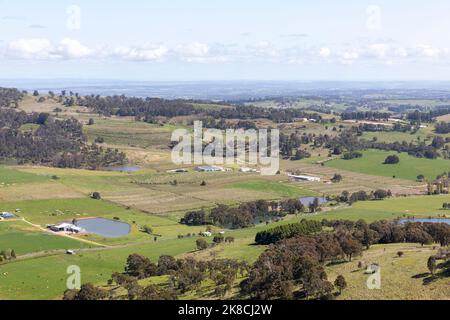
x=401, y=278
x=37, y=191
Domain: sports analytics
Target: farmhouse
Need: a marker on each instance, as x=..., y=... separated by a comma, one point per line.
x=206, y=234
x=247, y=170
x=65, y=227
x=304, y=178
x=209, y=169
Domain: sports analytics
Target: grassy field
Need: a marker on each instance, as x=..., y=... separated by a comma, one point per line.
x=390, y=137
x=417, y=102
x=405, y=278
x=24, y=239
x=425, y=206
x=97, y=266
x=10, y=176
x=280, y=189
x=127, y=132
x=45, y=278
x=408, y=168
x=43, y=212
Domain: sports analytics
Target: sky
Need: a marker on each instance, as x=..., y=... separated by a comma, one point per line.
x=168, y=40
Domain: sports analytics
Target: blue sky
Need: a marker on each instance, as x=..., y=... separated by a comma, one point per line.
x=225, y=39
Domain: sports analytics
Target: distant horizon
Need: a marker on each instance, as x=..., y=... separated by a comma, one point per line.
x=228, y=80
x=223, y=90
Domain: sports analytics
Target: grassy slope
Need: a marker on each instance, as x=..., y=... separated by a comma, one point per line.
x=401, y=278
x=45, y=278
x=97, y=266
x=408, y=168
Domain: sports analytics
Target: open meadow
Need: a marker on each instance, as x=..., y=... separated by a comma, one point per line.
x=409, y=167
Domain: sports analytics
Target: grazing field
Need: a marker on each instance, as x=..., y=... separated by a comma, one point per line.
x=391, y=137
x=25, y=239
x=158, y=193
x=98, y=265
x=38, y=191
x=10, y=176
x=45, y=277
x=417, y=102
x=405, y=278
x=43, y=212
x=352, y=181
x=389, y=209
x=408, y=168
x=277, y=188
x=300, y=104
x=127, y=132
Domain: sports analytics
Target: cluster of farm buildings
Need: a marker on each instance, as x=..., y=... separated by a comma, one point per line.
x=65, y=227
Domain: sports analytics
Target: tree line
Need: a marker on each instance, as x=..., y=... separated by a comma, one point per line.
x=10, y=97
x=59, y=143
x=294, y=268
x=247, y=214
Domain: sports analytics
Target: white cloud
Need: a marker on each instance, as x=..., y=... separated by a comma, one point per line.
x=141, y=54
x=194, y=49
x=401, y=52
x=197, y=52
x=73, y=49
x=44, y=49
x=324, y=52
x=379, y=50
x=218, y=59
x=429, y=51
x=30, y=49
x=350, y=55
x=382, y=52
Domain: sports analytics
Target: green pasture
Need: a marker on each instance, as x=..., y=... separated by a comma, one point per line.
x=280, y=189
x=409, y=167
x=24, y=239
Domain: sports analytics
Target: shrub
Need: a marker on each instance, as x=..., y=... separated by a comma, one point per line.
x=352, y=155
x=96, y=196
x=392, y=160
x=202, y=244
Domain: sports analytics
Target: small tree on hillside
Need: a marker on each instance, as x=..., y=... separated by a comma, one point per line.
x=340, y=283
x=202, y=244
x=431, y=264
